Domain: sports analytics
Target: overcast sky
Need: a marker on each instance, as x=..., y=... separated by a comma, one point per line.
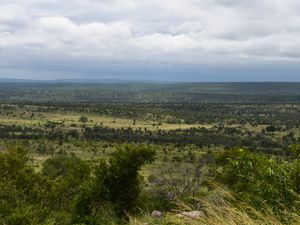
x=179, y=40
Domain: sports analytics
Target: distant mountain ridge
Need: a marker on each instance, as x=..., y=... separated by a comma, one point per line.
x=120, y=81
x=80, y=81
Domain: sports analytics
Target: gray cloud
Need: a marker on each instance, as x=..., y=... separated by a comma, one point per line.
x=157, y=33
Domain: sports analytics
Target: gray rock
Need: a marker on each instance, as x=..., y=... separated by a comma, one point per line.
x=192, y=214
x=157, y=214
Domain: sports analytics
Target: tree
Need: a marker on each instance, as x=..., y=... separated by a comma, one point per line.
x=68, y=172
x=83, y=119
x=271, y=128
x=295, y=149
x=115, y=183
x=23, y=192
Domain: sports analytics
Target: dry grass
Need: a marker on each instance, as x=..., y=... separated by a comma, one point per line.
x=220, y=209
x=94, y=119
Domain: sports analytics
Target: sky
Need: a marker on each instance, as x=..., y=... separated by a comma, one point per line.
x=164, y=40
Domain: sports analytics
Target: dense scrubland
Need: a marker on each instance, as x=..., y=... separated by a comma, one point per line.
x=151, y=92
x=147, y=154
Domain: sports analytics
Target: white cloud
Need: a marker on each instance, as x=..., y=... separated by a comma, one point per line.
x=165, y=42
x=170, y=31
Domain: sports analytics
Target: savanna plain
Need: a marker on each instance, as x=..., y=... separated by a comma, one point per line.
x=149, y=153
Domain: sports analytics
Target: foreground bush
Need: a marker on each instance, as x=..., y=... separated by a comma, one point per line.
x=262, y=181
x=67, y=190
x=115, y=185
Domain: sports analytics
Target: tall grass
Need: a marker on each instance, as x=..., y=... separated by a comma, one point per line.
x=221, y=208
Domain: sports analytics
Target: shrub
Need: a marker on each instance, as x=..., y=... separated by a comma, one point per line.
x=83, y=119
x=259, y=180
x=115, y=183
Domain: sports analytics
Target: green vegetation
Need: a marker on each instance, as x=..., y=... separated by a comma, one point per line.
x=151, y=92
x=260, y=180
x=156, y=159
x=115, y=184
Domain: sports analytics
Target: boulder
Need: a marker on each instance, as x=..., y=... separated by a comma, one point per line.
x=157, y=214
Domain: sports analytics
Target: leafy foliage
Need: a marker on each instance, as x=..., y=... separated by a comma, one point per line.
x=114, y=184
x=68, y=173
x=83, y=119
x=262, y=181
x=295, y=149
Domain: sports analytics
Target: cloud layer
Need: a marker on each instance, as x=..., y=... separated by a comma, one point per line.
x=106, y=36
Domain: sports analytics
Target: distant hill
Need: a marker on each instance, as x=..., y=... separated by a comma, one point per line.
x=8, y=80
x=78, y=81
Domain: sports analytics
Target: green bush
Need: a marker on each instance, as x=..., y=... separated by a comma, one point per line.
x=115, y=185
x=262, y=181
x=67, y=173
x=29, y=197
x=22, y=190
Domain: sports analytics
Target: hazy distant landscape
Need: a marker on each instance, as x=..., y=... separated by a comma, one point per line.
x=155, y=92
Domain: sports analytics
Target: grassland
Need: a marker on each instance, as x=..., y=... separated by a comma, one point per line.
x=189, y=132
